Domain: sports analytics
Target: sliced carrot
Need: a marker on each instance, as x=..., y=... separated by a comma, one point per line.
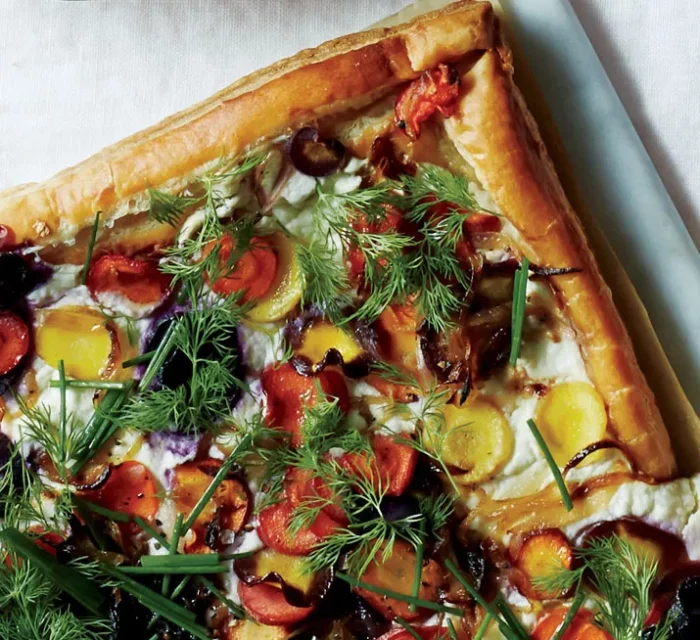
x=274, y=530
x=134, y=278
x=538, y=556
x=267, y=605
x=390, y=468
x=253, y=272
x=288, y=393
x=130, y=489
x=396, y=574
x=14, y=341
x=48, y=541
x=581, y=627
x=303, y=486
x=435, y=90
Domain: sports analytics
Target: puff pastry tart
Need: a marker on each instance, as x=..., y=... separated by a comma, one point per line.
x=328, y=355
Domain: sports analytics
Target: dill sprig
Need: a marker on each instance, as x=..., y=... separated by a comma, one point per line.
x=205, y=337
x=619, y=580
x=168, y=208
x=30, y=608
x=435, y=184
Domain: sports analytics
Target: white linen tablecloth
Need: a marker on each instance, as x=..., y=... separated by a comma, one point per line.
x=78, y=75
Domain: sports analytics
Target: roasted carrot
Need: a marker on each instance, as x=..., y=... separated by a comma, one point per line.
x=14, y=341
x=538, y=555
x=267, y=605
x=581, y=627
x=253, y=272
x=134, y=278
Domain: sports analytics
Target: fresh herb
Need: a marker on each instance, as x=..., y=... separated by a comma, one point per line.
x=518, y=310
x=99, y=428
x=31, y=608
x=89, y=384
x=510, y=632
x=243, y=448
x=168, y=208
x=558, y=478
x=435, y=184
x=172, y=550
x=194, y=564
x=236, y=610
x=205, y=336
x=451, y=629
x=413, y=633
x=65, y=577
x=618, y=579
x=157, y=603
x=570, y=615
x=418, y=568
x=90, y=249
x=142, y=359
x=424, y=604
x=481, y=631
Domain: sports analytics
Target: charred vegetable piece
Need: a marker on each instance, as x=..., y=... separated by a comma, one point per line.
x=134, y=278
x=14, y=341
x=286, y=288
x=474, y=437
x=396, y=573
x=253, y=272
x=397, y=328
x=267, y=605
x=78, y=336
x=582, y=626
x=537, y=557
x=15, y=280
x=435, y=90
x=390, y=468
x=130, y=489
x=319, y=338
x=289, y=392
x=314, y=155
x=226, y=511
x=301, y=587
x=570, y=417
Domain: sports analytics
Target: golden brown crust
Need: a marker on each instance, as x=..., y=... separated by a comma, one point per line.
x=499, y=139
x=343, y=73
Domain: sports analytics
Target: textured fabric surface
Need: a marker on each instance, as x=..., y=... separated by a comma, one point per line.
x=78, y=75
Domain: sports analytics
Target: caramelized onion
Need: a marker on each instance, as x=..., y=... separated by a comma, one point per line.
x=591, y=448
x=383, y=157
x=314, y=155
x=446, y=354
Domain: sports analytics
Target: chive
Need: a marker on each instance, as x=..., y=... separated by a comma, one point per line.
x=143, y=358
x=235, y=609
x=89, y=518
x=570, y=614
x=168, y=570
x=418, y=569
x=483, y=627
x=160, y=355
x=502, y=624
x=408, y=628
x=176, y=592
x=558, y=478
x=181, y=561
x=74, y=583
x=177, y=529
x=89, y=384
x=510, y=617
x=63, y=415
x=451, y=629
x=518, y=311
x=90, y=248
x=147, y=528
x=213, y=485
x=100, y=427
x=425, y=604
x=158, y=604
x=116, y=516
